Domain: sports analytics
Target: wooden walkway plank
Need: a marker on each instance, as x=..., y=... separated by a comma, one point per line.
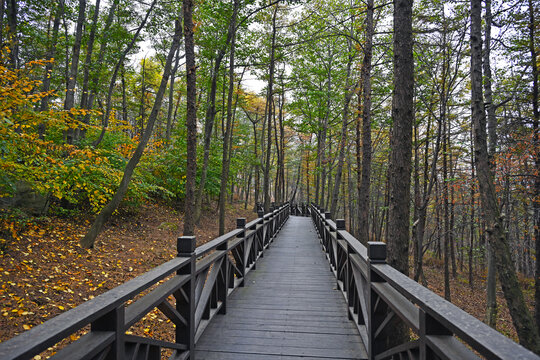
x=289, y=309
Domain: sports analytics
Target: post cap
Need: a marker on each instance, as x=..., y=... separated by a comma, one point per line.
x=240, y=223
x=340, y=224
x=260, y=213
x=186, y=245
x=377, y=251
x=327, y=215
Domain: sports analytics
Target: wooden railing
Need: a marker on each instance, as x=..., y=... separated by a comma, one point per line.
x=299, y=209
x=203, y=278
x=379, y=297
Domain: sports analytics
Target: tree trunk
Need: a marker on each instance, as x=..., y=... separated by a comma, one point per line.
x=142, y=108
x=536, y=141
x=2, y=11
x=491, y=304
x=88, y=63
x=522, y=319
x=124, y=97
x=170, y=109
x=227, y=149
x=107, y=211
x=95, y=77
x=446, y=220
x=115, y=74
x=13, y=40
x=269, y=107
x=401, y=138
x=51, y=53
x=364, y=188
x=69, y=102
x=209, y=120
x=349, y=92
x=191, y=118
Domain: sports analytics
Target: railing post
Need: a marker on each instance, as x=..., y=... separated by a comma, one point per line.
x=186, y=307
x=260, y=234
x=376, y=255
x=241, y=224
x=223, y=283
x=113, y=321
x=343, y=262
x=270, y=230
x=327, y=238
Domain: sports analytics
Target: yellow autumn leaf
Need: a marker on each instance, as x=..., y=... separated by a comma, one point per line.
x=26, y=327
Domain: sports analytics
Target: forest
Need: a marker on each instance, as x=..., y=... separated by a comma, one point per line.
x=417, y=123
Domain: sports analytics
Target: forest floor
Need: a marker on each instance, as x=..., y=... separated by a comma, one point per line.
x=45, y=272
x=473, y=299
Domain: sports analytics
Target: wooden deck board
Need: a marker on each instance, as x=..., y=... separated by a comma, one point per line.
x=289, y=308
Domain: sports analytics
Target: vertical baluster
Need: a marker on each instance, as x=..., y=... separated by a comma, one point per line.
x=342, y=260
x=376, y=255
x=185, y=300
x=223, y=281
x=260, y=233
x=241, y=224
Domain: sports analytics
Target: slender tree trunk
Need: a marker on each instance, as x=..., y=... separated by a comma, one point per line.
x=170, y=109
x=95, y=77
x=269, y=108
x=536, y=141
x=491, y=304
x=142, y=101
x=115, y=74
x=51, y=53
x=107, y=211
x=124, y=97
x=228, y=126
x=364, y=189
x=191, y=118
x=522, y=319
x=88, y=64
x=209, y=120
x=2, y=11
x=256, y=155
x=13, y=39
x=472, y=218
x=343, y=137
x=446, y=220
x=69, y=102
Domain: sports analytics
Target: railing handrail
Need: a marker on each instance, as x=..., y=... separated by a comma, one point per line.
x=43, y=336
x=451, y=319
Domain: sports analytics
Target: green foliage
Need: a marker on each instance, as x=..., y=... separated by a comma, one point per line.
x=78, y=174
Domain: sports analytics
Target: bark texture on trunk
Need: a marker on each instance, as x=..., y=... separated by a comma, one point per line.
x=401, y=138
x=269, y=112
x=365, y=183
x=522, y=319
x=191, y=119
x=536, y=140
x=226, y=160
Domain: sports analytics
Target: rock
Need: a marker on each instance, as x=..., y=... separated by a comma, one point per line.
x=26, y=199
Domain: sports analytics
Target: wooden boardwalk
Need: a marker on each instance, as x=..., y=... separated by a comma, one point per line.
x=289, y=308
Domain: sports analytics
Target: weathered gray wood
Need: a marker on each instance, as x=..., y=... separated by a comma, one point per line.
x=290, y=307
